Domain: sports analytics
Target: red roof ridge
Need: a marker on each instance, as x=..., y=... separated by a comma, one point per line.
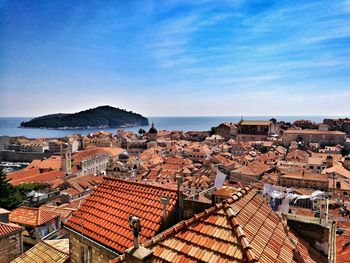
x=238, y=231
x=140, y=183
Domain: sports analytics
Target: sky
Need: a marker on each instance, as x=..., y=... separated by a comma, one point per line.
x=175, y=58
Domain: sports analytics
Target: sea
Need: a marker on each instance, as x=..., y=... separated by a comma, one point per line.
x=10, y=126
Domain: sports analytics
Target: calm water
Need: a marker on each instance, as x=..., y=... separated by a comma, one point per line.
x=9, y=126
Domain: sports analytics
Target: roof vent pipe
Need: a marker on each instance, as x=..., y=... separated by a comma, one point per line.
x=135, y=225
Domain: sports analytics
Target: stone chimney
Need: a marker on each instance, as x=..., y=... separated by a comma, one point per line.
x=137, y=253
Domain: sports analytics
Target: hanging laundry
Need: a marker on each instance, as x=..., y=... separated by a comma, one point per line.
x=274, y=204
x=266, y=189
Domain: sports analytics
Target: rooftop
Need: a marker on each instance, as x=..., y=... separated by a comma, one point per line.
x=104, y=216
x=45, y=252
x=251, y=122
x=241, y=229
x=306, y=131
x=8, y=229
x=31, y=216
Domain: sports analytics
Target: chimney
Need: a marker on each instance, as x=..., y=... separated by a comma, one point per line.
x=137, y=253
x=164, y=201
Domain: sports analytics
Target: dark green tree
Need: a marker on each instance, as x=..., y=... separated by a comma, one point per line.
x=10, y=198
x=142, y=131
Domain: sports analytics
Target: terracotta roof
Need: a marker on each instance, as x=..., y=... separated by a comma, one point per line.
x=337, y=169
x=45, y=178
x=314, y=132
x=8, y=229
x=64, y=212
x=248, y=122
x=83, y=182
x=105, y=214
x=255, y=168
x=113, y=151
x=241, y=229
x=86, y=154
x=306, y=176
x=23, y=174
x=52, y=163
x=43, y=253
x=31, y=216
x=298, y=155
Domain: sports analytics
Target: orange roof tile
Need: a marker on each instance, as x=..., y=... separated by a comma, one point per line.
x=8, y=229
x=31, y=216
x=111, y=204
x=45, y=178
x=52, y=163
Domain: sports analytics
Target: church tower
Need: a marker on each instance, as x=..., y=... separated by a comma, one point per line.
x=66, y=158
x=152, y=133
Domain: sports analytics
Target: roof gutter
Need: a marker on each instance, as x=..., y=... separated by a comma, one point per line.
x=92, y=241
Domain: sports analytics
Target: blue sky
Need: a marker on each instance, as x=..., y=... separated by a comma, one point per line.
x=162, y=58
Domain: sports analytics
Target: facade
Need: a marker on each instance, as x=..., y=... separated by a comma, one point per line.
x=255, y=130
x=91, y=161
x=228, y=130
x=198, y=153
x=324, y=138
x=304, y=180
x=55, y=146
x=11, y=244
x=214, y=140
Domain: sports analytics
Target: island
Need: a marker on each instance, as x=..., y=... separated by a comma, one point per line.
x=100, y=117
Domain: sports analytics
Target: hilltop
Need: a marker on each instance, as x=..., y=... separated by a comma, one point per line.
x=101, y=117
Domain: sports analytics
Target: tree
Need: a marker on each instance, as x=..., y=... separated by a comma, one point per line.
x=142, y=131
x=10, y=198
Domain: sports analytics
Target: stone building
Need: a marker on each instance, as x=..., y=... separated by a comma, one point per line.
x=228, y=130
x=39, y=224
x=249, y=130
x=11, y=244
x=304, y=180
x=314, y=136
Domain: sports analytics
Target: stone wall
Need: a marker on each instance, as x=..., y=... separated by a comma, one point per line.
x=98, y=254
x=10, y=248
x=12, y=156
x=192, y=207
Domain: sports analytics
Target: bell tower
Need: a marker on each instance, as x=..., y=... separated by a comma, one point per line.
x=66, y=158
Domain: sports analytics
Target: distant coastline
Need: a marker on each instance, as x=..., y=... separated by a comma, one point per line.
x=9, y=125
x=83, y=127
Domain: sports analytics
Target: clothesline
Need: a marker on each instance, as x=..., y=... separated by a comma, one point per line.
x=278, y=192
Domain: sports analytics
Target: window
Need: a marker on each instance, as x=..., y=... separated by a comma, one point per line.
x=86, y=254
x=338, y=185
